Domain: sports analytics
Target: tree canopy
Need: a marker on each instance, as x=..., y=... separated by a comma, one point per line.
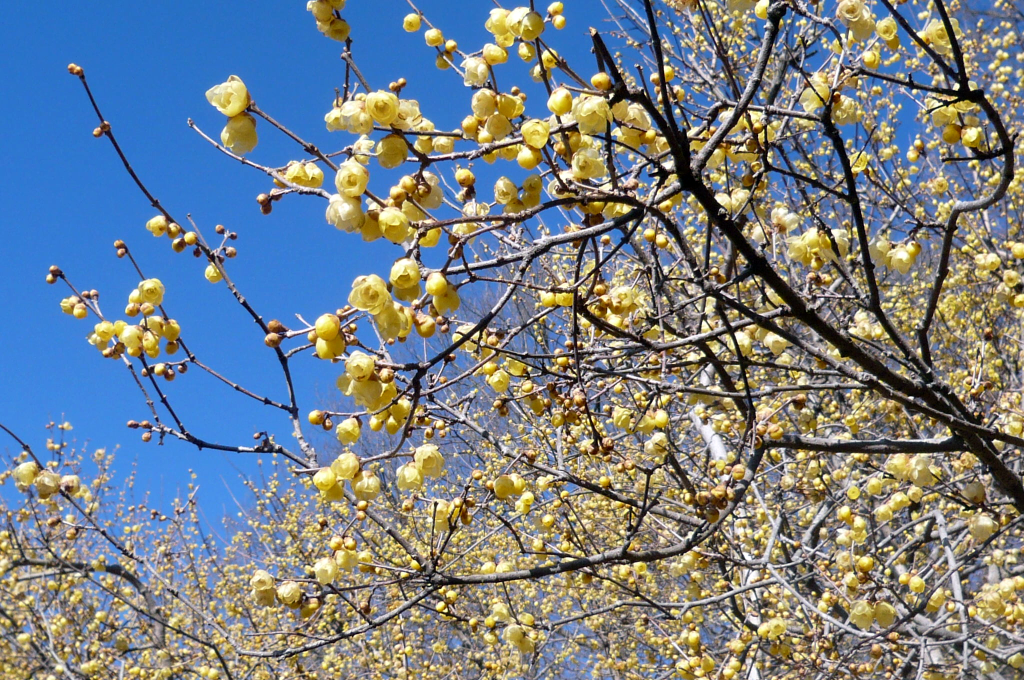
x=698, y=356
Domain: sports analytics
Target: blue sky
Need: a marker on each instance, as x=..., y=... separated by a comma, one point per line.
x=67, y=199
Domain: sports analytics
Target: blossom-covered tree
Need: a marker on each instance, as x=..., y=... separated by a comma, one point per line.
x=702, y=362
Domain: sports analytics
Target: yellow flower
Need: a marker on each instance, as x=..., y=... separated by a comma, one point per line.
x=592, y=114
x=921, y=470
x=261, y=580
x=393, y=322
x=157, y=225
x=497, y=21
x=476, y=72
x=862, y=614
x=392, y=151
x=382, y=106
x=351, y=179
x=347, y=431
x=359, y=366
x=776, y=343
x=335, y=120
x=230, y=97
x=405, y=273
x=982, y=527
x=441, y=514
x=560, y=101
x=325, y=570
x=935, y=35
x=857, y=17
x=494, y=54
x=524, y=23
x=369, y=294
x=239, y=134
x=535, y=133
x=448, y=301
x=289, y=593
x=336, y=29
x=429, y=459
x=365, y=485
x=499, y=381
x=409, y=477
x=324, y=479
x=152, y=291
x=885, y=614
x=484, y=103
x=435, y=197
x=498, y=126
x=510, y=106
x=47, y=483
x=408, y=115
x=351, y=116
x=345, y=213
x=588, y=164
x=304, y=174
x=394, y=225
x=347, y=465
x=321, y=10
x=815, y=96
x=886, y=29
x=26, y=473
x=504, y=487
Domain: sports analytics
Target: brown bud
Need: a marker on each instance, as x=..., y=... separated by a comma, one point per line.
x=75, y=70
x=266, y=208
x=147, y=436
x=262, y=199
x=230, y=252
x=386, y=375
x=97, y=132
x=133, y=424
x=276, y=326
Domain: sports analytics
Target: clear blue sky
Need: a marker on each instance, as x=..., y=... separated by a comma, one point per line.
x=66, y=199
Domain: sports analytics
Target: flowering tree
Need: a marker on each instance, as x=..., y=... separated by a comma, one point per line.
x=700, y=362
